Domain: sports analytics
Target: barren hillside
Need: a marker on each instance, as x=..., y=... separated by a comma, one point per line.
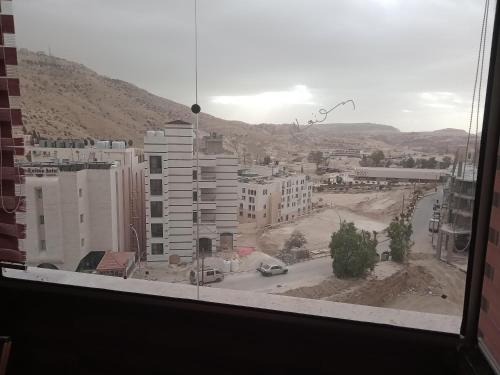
x=65, y=99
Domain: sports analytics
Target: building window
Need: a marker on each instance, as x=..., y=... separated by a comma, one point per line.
x=493, y=236
x=82, y=242
x=157, y=249
x=156, y=230
x=265, y=214
x=251, y=199
x=243, y=198
x=81, y=218
x=195, y=196
x=241, y=205
x=249, y=216
x=43, y=246
x=253, y=216
x=80, y=192
x=243, y=190
x=265, y=206
x=241, y=213
x=195, y=175
x=489, y=271
x=484, y=304
x=195, y=217
x=38, y=193
x=156, y=187
x=155, y=164
x=156, y=209
x=42, y=219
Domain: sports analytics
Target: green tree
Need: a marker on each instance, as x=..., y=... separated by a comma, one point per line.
x=445, y=163
x=297, y=239
x=339, y=179
x=377, y=156
x=408, y=163
x=315, y=157
x=130, y=143
x=400, y=232
x=267, y=160
x=353, y=251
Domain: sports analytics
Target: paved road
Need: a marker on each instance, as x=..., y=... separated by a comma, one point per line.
x=306, y=273
x=420, y=222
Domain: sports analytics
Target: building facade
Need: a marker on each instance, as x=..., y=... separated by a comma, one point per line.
x=72, y=209
x=273, y=199
x=399, y=174
x=129, y=169
x=183, y=200
x=12, y=212
x=489, y=318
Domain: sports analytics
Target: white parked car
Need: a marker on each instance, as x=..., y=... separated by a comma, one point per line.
x=271, y=269
x=209, y=275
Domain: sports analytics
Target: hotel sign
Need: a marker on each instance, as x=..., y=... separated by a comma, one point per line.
x=41, y=171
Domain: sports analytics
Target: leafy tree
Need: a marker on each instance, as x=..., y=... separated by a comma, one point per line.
x=92, y=142
x=377, y=156
x=267, y=160
x=297, y=239
x=315, y=157
x=339, y=179
x=86, y=142
x=353, y=251
x=130, y=143
x=400, y=232
x=408, y=163
x=445, y=163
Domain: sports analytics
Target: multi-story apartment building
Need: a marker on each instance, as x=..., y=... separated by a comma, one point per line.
x=12, y=228
x=273, y=199
x=72, y=209
x=128, y=167
x=182, y=200
x=455, y=221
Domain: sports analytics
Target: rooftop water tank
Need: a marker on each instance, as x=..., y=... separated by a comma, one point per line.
x=102, y=145
x=118, y=145
x=160, y=133
x=150, y=133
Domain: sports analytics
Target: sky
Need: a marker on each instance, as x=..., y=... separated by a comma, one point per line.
x=406, y=63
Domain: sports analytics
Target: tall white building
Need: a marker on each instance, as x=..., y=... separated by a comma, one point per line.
x=72, y=209
x=179, y=195
x=129, y=172
x=268, y=200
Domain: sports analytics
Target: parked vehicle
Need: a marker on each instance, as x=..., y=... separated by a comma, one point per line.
x=271, y=269
x=434, y=225
x=209, y=275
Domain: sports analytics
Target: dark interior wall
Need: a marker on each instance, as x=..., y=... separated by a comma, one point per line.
x=62, y=329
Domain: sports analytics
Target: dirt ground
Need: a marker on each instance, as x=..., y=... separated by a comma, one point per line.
x=380, y=205
x=423, y=284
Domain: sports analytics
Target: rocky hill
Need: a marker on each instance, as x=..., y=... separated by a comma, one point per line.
x=65, y=99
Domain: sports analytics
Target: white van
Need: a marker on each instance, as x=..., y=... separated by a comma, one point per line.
x=209, y=275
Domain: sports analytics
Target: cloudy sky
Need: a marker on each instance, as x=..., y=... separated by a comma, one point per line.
x=407, y=63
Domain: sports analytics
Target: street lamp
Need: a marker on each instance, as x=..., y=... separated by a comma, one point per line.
x=138, y=247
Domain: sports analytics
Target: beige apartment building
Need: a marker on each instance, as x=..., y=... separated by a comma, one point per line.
x=269, y=200
x=128, y=166
x=182, y=198
x=72, y=209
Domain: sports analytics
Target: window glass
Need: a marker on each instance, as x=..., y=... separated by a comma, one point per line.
x=157, y=248
x=155, y=164
x=156, y=186
x=156, y=208
x=156, y=230
x=367, y=109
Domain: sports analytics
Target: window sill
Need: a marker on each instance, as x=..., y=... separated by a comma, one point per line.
x=399, y=318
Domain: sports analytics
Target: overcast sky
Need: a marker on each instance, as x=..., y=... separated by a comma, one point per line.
x=407, y=63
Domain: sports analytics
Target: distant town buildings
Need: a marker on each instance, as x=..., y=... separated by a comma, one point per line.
x=399, y=174
x=176, y=188
x=268, y=200
x=73, y=209
x=128, y=166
